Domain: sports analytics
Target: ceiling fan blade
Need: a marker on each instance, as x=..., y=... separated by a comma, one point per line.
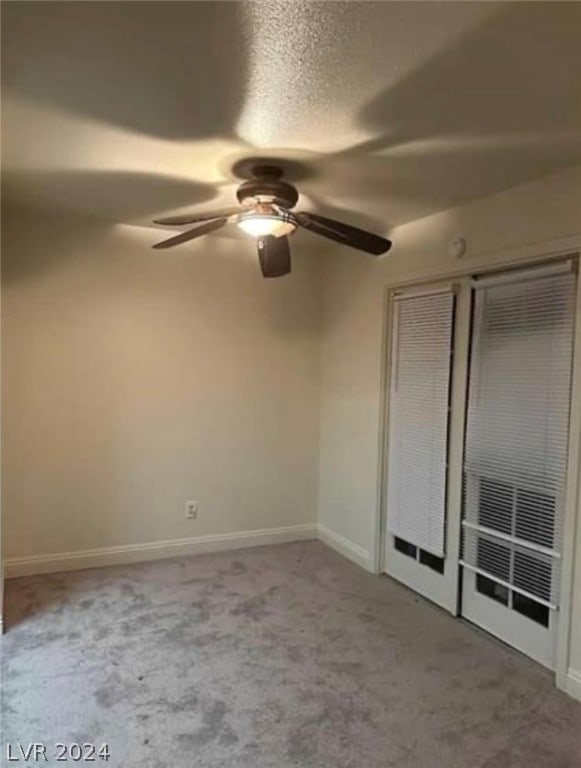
x=191, y=218
x=344, y=233
x=274, y=256
x=190, y=234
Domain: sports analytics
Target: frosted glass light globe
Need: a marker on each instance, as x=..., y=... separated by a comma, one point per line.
x=259, y=225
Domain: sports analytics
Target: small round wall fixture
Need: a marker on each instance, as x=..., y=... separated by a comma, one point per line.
x=457, y=247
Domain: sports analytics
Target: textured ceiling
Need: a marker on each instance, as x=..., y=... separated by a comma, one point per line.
x=383, y=111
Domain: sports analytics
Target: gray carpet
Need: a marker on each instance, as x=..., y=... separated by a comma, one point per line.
x=270, y=658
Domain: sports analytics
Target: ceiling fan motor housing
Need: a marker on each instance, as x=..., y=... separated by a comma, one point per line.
x=267, y=186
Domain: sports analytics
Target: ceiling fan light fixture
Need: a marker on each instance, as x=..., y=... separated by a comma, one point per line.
x=260, y=224
x=264, y=212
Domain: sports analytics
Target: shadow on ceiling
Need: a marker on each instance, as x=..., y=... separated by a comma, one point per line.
x=437, y=138
x=173, y=70
x=500, y=107
x=515, y=113
x=117, y=195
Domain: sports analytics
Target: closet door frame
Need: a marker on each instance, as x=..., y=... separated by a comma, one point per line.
x=525, y=256
x=572, y=507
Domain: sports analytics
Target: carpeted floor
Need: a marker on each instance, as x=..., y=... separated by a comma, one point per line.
x=269, y=658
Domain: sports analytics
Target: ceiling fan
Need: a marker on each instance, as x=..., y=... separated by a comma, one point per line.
x=264, y=212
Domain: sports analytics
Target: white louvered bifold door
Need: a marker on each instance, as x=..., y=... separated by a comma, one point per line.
x=418, y=419
x=517, y=434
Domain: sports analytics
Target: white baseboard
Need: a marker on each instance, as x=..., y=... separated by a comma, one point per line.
x=154, y=550
x=572, y=684
x=346, y=547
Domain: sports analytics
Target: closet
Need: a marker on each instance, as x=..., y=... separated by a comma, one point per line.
x=477, y=429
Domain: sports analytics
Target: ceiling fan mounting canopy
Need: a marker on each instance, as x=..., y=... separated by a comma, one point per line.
x=264, y=212
x=263, y=170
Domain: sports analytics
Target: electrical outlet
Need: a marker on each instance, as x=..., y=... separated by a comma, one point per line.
x=191, y=510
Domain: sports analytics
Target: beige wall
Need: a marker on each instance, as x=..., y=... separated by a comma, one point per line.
x=352, y=348
x=135, y=379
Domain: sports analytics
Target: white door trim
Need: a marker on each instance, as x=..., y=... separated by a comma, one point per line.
x=572, y=512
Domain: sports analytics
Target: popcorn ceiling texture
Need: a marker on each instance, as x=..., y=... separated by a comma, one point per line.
x=313, y=66
x=277, y=657
x=395, y=109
